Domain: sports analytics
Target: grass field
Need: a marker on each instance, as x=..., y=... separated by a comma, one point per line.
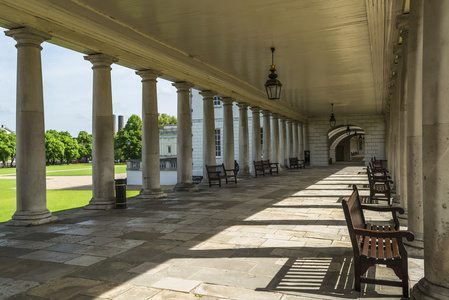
x=57, y=200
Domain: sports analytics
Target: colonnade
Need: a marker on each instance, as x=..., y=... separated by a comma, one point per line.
x=31, y=173
x=417, y=139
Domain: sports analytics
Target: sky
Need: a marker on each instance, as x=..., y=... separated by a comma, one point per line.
x=67, y=84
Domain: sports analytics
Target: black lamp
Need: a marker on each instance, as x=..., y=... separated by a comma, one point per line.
x=348, y=131
x=332, y=120
x=273, y=86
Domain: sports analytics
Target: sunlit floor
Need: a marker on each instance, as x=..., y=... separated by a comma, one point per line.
x=275, y=237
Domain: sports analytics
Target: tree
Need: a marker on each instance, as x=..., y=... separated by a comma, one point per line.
x=70, y=146
x=7, y=146
x=85, y=144
x=132, y=132
x=165, y=119
x=54, y=148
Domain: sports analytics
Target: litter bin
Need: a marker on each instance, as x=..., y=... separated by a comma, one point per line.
x=120, y=193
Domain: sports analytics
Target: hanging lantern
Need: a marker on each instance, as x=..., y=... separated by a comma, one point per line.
x=273, y=86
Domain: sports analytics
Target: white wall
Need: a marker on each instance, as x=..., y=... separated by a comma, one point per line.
x=373, y=125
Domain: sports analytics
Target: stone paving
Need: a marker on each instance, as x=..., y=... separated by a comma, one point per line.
x=278, y=237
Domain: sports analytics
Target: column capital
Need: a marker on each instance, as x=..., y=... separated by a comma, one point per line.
x=182, y=86
x=227, y=100
x=255, y=109
x=265, y=112
x=148, y=74
x=242, y=105
x=207, y=94
x=275, y=115
x=28, y=36
x=100, y=60
x=295, y=122
x=283, y=118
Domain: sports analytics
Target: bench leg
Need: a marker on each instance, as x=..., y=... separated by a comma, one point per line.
x=404, y=274
x=357, y=274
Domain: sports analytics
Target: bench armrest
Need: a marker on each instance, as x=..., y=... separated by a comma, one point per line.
x=230, y=170
x=394, y=211
x=374, y=179
x=384, y=208
x=386, y=234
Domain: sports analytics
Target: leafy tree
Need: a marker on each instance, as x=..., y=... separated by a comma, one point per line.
x=132, y=132
x=7, y=146
x=165, y=119
x=70, y=146
x=54, y=148
x=12, y=146
x=85, y=144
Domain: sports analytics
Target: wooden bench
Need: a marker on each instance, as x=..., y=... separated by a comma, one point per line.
x=376, y=244
x=274, y=167
x=261, y=168
x=296, y=163
x=379, y=185
x=218, y=172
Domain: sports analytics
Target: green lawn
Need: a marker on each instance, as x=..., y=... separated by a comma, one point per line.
x=67, y=170
x=57, y=200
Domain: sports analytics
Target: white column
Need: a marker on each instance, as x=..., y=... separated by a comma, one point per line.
x=102, y=134
x=243, y=140
x=275, y=147
x=300, y=141
x=209, y=157
x=402, y=24
x=256, y=134
x=184, y=160
x=414, y=129
x=283, y=142
x=228, y=133
x=289, y=141
x=31, y=198
x=295, y=139
x=266, y=135
x=435, y=133
x=151, y=174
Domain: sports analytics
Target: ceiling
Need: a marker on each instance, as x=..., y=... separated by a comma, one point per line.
x=326, y=51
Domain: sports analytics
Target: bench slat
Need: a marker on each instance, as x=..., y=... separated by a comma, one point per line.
x=381, y=248
x=388, y=253
x=373, y=243
x=365, y=249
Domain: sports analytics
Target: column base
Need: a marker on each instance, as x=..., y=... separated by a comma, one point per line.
x=185, y=187
x=151, y=194
x=415, y=248
x=424, y=289
x=244, y=175
x=26, y=218
x=101, y=204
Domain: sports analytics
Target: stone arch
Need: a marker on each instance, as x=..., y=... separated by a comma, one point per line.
x=344, y=147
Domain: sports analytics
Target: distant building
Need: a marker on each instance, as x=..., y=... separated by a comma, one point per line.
x=8, y=131
x=121, y=123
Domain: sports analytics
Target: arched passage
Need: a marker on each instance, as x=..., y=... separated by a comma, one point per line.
x=346, y=143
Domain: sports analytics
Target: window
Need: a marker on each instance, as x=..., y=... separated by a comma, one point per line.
x=217, y=142
x=217, y=101
x=169, y=149
x=360, y=145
